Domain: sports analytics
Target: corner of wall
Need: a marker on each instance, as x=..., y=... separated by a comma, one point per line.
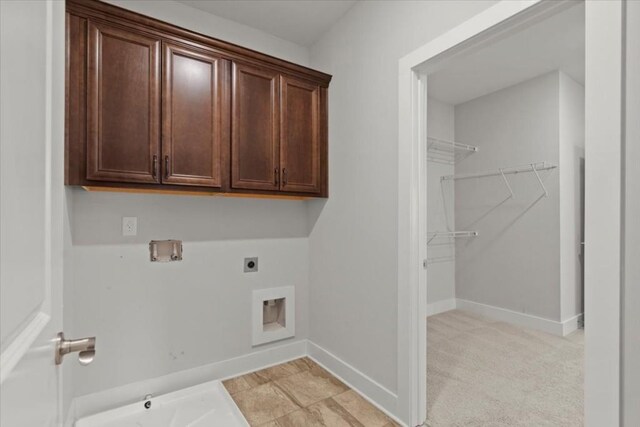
x=512, y=126
x=571, y=105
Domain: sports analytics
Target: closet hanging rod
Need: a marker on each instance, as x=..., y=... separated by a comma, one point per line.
x=530, y=167
x=432, y=142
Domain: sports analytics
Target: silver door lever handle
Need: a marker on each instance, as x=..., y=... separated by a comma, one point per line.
x=86, y=347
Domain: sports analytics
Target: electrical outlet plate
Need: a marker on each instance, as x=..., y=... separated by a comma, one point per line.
x=129, y=226
x=251, y=265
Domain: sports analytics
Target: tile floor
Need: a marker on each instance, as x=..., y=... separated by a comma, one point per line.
x=301, y=393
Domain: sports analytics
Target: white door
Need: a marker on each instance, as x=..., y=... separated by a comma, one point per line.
x=31, y=197
x=631, y=348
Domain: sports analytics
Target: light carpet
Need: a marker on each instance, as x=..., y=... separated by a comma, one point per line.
x=482, y=372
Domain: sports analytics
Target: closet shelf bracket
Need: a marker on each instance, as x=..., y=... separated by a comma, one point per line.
x=450, y=234
x=544, y=189
x=435, y=260
x=506, y=182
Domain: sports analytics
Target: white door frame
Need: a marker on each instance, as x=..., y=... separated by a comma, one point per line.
x=604, y=32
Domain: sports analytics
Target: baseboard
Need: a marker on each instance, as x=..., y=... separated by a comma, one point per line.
x=374, y=392
x=521, y=319
x=554, y=327
x=369, y=389
x=441, y=306
x=94, y=403
x=572, y=324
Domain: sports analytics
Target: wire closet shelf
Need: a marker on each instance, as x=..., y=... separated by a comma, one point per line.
x=447, y=152
x=529, y=167
x=450, y=234
x=535, y=168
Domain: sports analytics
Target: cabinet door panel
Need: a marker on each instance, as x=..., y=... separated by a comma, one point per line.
x=123, y=100
x=192, y=117
x=300, y=136
x=255, y=129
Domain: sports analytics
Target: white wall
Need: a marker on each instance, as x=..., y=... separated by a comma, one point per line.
x=441, y=285
x=215, y=26
x=152, y=319
x=571, y=170
x=354, y=234
x=514, y=263
x=527, y=256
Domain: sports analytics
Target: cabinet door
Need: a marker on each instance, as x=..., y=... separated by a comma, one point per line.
x=300, y=151
x=123, y=105
x=193, y=111
x=254, y=135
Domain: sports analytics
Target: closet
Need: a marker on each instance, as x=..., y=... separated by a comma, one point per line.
x=504, y=219
x=505, y=214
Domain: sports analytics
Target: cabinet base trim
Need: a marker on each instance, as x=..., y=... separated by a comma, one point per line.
x=191, y=193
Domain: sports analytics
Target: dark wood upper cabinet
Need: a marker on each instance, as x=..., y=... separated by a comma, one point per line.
x=151, y=106
x=300, y=150
x=123, y=105
x=255, y=157
x=193, y=117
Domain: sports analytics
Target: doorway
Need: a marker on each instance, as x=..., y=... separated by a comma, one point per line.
x=603, y=28
x=504, y=290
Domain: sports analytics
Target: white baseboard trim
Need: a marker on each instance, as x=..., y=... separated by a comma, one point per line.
x=441, y=306
x=571, y=325
x=94, y=403
x=521, y=319
x=369, y=389
x=374, y=392
x=554, y=327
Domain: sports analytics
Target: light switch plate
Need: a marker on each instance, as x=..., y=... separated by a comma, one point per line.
x=129, y=226
x=251, y=265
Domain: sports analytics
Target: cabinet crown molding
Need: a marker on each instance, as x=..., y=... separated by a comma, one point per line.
x=99, y=10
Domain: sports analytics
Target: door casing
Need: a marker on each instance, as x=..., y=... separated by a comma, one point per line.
x=604, y=60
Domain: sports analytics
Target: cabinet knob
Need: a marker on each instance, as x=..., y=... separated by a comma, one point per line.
x=276, y=176
x=166, y=167
x=284, y=177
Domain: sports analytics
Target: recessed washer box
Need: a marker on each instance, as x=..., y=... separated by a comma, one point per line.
x=273, y=314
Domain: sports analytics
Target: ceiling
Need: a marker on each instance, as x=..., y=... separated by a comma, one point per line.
x=557, y=43
x=302, y=22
